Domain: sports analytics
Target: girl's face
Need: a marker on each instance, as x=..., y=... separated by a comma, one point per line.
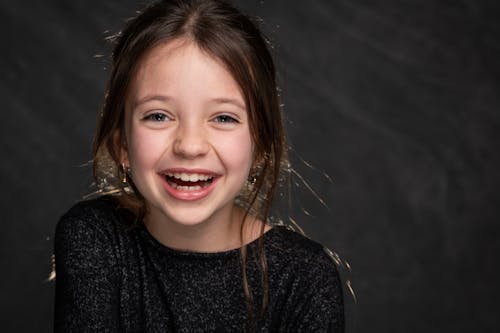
x=188, y=141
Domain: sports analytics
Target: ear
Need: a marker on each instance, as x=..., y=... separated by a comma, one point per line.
x=120, y=145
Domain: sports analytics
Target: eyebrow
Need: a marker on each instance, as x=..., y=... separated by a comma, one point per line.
x=150, y=98
x=223, y=100
x=164, y=98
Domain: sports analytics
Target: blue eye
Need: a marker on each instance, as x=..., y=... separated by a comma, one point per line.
x=157, y=117
x=224, y=118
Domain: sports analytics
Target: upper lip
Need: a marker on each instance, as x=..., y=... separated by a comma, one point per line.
x=189, y=171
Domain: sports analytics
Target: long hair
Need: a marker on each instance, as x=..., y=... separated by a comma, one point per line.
x=225, y=33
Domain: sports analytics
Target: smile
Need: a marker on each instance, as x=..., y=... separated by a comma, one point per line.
x=188, y=185
x=188, y=182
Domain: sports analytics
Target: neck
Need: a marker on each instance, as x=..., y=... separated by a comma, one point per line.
x=215, y=235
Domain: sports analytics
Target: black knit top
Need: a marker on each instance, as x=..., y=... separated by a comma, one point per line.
x=112, y=276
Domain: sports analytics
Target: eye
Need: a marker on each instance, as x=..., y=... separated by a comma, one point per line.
x=224, y=118
x=157, y=117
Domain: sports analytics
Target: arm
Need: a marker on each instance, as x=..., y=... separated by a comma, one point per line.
x=87, y=297
x=318, y=301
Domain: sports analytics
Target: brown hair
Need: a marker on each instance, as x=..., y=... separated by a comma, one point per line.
x=223, y=32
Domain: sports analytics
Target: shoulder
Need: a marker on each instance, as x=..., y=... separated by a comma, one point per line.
x=300, y=252
x=94, y=209
x=97, y=214
x=89, y=224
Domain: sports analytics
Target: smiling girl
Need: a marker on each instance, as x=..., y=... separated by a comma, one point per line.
x=190, y=149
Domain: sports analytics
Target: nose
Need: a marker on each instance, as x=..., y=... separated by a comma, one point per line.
x=190, y=141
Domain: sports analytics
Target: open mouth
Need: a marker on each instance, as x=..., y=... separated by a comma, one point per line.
x=188, y=182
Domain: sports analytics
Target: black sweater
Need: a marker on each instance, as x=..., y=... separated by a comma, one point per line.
x=112, y=276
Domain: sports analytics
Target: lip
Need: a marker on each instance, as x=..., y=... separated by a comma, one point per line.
x=191, y=195
x=185, y=170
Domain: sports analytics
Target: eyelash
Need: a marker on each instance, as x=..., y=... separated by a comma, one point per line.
x=224, y=118
x=155, y=117
x=162, y=117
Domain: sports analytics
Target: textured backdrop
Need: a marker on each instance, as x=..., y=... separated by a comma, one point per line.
x=398, y=102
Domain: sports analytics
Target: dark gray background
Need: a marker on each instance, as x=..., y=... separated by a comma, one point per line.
x=398, y=101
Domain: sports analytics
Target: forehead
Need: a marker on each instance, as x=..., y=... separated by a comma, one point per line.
x=180, y=66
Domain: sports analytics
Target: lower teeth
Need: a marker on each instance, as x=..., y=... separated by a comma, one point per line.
x=189, y=188
x=185, y=188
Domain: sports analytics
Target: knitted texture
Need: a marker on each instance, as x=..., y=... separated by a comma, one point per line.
x=113, y=276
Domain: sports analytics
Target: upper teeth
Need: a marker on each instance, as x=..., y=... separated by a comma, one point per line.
x=189, y=177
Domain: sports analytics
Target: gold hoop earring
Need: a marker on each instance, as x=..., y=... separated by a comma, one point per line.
x=252, y=179
x=122, y=171
x=254, y=174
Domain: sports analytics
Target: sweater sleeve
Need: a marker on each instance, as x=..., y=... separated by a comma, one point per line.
x=87, y=294
x=317, y=300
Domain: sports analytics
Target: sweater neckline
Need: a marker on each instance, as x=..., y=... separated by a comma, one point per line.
x=196, y=254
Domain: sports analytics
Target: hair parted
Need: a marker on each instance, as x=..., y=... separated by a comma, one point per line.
x=232, y=38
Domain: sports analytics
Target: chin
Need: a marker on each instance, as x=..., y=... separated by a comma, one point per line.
x=188, y=217
x=187, y=221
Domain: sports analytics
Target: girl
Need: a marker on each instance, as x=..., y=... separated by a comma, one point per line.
x=190, y=149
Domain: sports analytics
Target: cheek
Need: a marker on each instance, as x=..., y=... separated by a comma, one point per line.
x=145, y=148
x=237, y=153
